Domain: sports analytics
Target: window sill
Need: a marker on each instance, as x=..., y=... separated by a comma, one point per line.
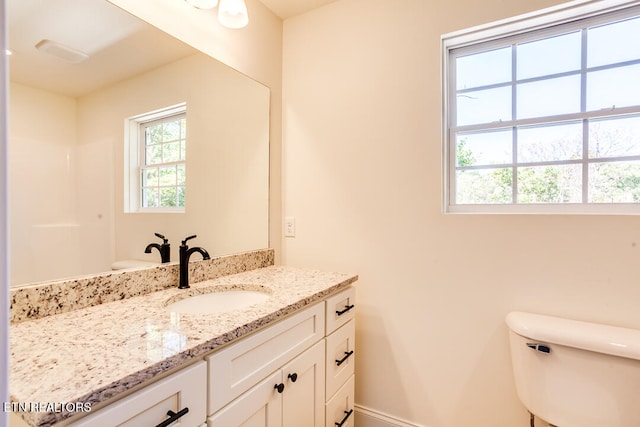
x=547, y=209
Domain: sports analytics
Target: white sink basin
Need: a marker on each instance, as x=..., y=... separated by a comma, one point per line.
x=217, y=302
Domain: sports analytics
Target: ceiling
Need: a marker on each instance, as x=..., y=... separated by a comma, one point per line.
x=288, y=8
x=118, y=45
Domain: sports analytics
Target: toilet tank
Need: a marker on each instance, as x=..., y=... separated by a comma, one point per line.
x=576, y=374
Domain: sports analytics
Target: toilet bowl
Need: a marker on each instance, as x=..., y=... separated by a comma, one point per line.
x=576, y=374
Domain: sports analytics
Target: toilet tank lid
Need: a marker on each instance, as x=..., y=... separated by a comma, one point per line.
x=613, y=340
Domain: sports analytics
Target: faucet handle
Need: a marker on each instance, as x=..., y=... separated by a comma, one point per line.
x=184, y=242
x=164, y=240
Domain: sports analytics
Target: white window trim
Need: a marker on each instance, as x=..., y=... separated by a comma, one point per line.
x=133, y=160
x=526, y=23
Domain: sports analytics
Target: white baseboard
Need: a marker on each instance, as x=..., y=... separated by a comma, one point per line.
x=367, y=417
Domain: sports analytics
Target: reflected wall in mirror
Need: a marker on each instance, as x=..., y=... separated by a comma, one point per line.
x=67, y=142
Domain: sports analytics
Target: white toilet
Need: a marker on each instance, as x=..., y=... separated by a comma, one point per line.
x=576, y=374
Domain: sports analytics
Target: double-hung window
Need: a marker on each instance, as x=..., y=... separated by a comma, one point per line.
x=544, y=117
x=156, y=177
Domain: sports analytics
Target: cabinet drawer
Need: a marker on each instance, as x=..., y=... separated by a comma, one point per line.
x=340, y=357
x=340, y=309
x=235, y=369
x=341, y=406
x=149, y=406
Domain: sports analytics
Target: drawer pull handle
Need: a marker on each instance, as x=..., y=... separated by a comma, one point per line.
x=347, y=354
x=293, y=377
x=346, y=417
x=279, y=387
x=346, y=308
x=173, y=416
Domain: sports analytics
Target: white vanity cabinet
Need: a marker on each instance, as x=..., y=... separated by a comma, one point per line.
x=297, y=372
x=340, y=359
x=179, y=396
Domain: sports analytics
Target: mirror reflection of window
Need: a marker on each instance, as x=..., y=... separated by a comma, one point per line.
x=163, y=167
x=155, y=176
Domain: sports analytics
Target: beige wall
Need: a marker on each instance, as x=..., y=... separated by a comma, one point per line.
x=362, y=177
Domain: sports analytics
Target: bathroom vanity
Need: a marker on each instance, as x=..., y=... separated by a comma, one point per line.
x=286, y=361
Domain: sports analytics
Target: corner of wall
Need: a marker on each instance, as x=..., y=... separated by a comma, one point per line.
x=4, y=274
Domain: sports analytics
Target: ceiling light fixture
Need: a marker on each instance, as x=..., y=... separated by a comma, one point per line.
x=231, y=13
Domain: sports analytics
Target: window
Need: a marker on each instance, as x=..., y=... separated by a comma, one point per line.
x=544, y=119
x=156, y=176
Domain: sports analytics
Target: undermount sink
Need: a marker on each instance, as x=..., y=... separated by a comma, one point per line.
x=217, y=302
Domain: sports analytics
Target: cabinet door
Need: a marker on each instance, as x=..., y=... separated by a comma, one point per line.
x=303, y=397
x=261, y=406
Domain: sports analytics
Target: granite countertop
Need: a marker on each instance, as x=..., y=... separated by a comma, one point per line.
x=93, y=354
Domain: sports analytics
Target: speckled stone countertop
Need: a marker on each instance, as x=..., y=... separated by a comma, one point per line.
x=93, y=354
x=44, y=299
